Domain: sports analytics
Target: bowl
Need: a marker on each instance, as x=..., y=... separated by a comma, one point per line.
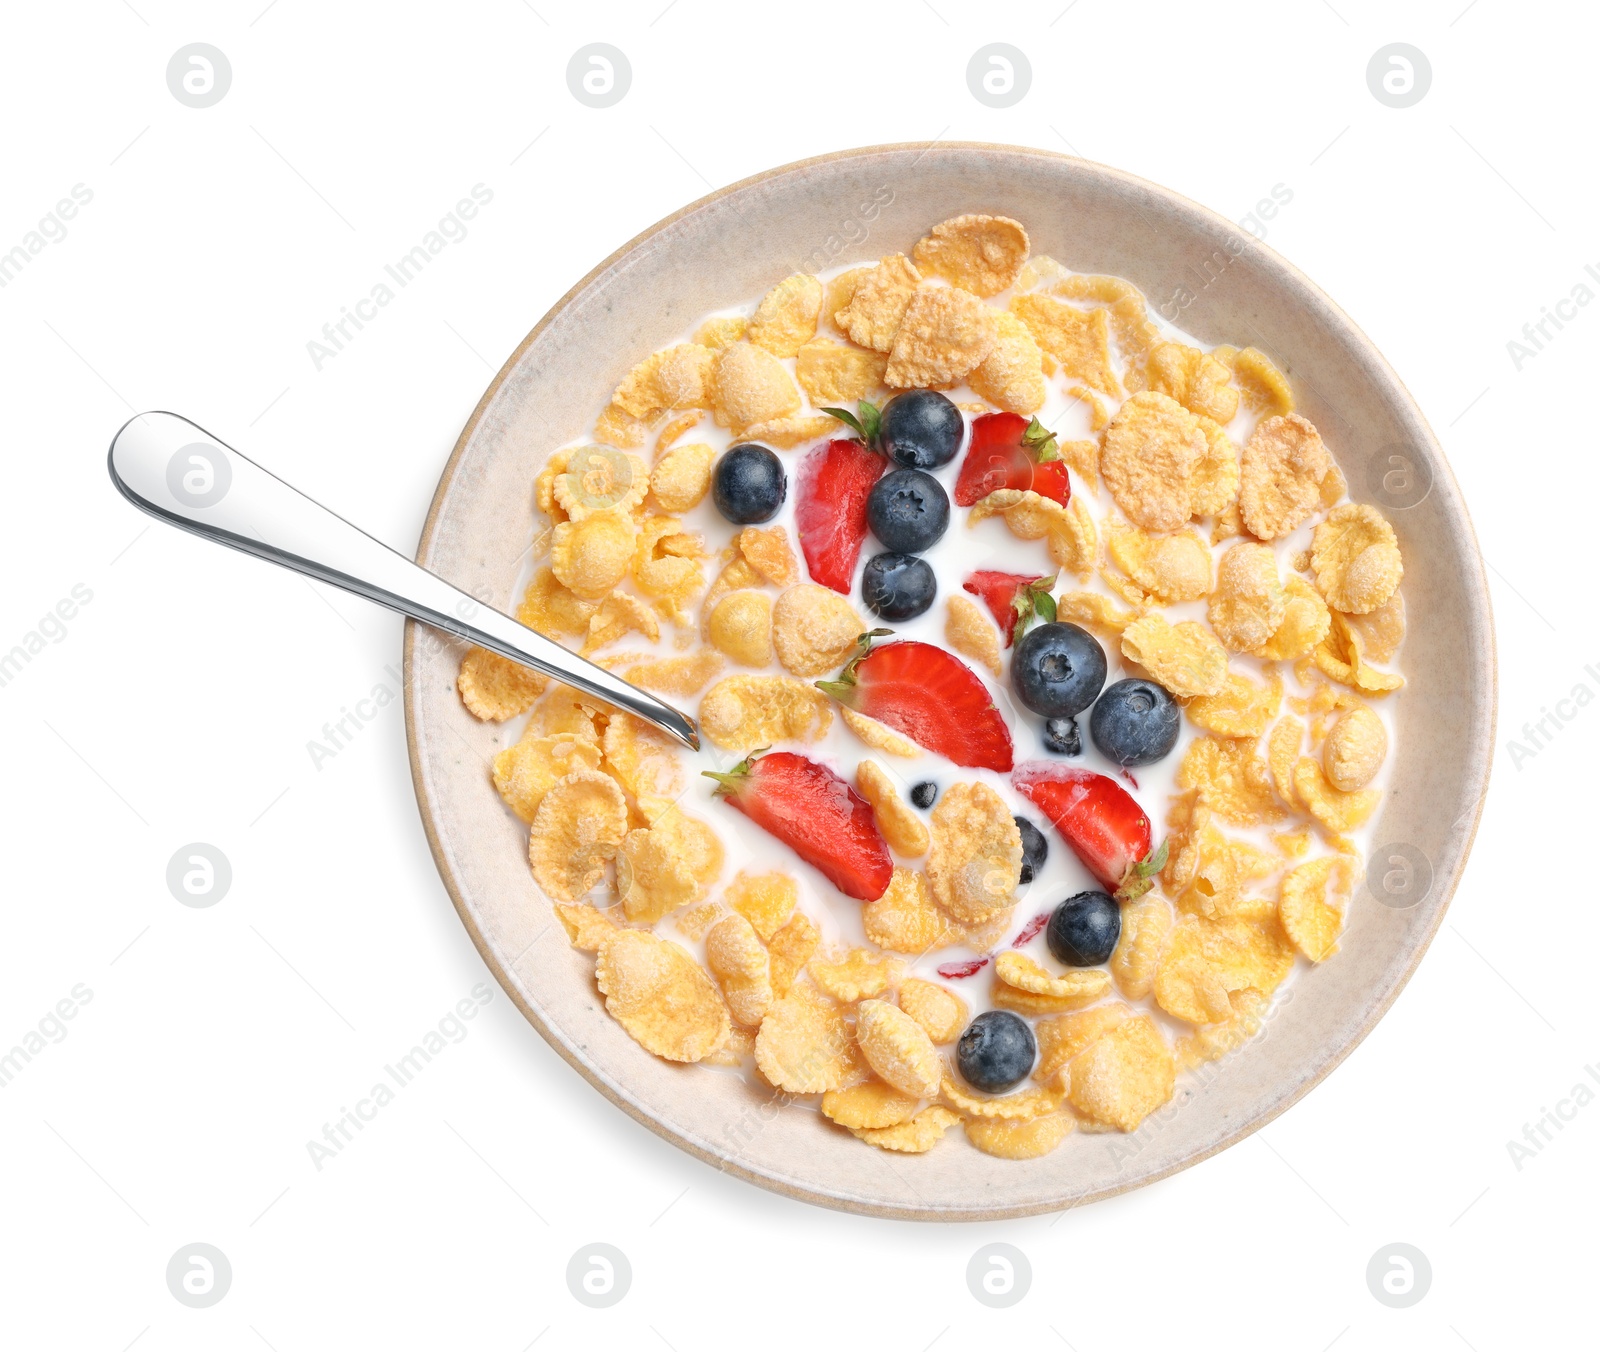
x=1218, y=283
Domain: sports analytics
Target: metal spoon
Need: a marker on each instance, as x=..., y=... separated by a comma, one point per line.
x=181, y=474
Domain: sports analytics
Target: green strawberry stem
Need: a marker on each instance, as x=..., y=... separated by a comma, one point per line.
x=731, y=781
x=1137, y=880
x=1041, y=441
x=843, y=688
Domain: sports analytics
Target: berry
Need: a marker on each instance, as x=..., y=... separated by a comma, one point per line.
x=1061, y=736
x=830, y=513
x=908, y=510
x=1035, y=848
x=1100, y=820
x=1084, y=929
x=922, y=429
x=1134, y=722
x=749, y=484
x=898, y=586
x=924, y=793
x=1008, y=451
x=816, y=814
x=1058, y=669
x=1014, y=599
x=929, y=696
x=996, y=1051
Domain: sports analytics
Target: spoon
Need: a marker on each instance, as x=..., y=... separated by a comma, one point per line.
x=181, y=474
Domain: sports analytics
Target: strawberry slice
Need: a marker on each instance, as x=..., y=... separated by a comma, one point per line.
x=816, y=814
x=1008, y=451
x=831, y=509
x=1106, y=827
x=1014, y=598
x=930, y=696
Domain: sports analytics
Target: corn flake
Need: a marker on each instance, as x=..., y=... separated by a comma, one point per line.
x=1214, y=487
x=644, y=761
x=619, y=614
x=590, y=557
x=550, y=608
x=741, y=713
x=790, y=948
x=579, y=826
x=982, y=254
x=1213, y=1041
x=682, y=476
x=1355, y=559
x=525, y=772
x=1242, y=708
x=878, y=303
x=587, y=928
x=1182, y=657
x=1094, y=611
x=661, y=996
x=941, y=1012
x=1020, y=1140
x=1012, y=375
x=803, y=1045
x=1195, y=379
x=970, y=632
x=832, y=374
x=1305, y=624
x=750, y=385
x=1335, y=811
x=495, y=688
x=1311, y=904
x=1381, y=630
x=1080, y=340
x=1146, y=923
x=665, y=562
x=740, y=626
x=686, y=675
x=787, y=433
x=766, y=900
x=721, y=331
x=859, y=975
x=1263, y=387
x=1341, y=658
x=694, y=922
x=898, y=1049
x=1076, y=988
x=1074, y=540
x=1248, y=605
x=1019, y=1107
x=1170, y=568
x=1283, y=750
x=668, y=865
x=945, y=333
x=675, y=428
x=1206, y=960
x=617, y=427
x=897, y=822
x=1123, y=1077
x=814, y=630
x=870, y=1106
x=905, y=920
x=738, y=961
x=1062, y=1037
x=916, y=1137
x=975, y=859
x=786, y=318
x=1281, y=471
x=1231, y=779
x=1355, y=750
x=1152, y=449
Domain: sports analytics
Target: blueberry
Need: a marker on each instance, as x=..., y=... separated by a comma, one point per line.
x=908, y=510
x=996, y=1051
x=749, y=484
x=1134, y=722
x=897, y=586
x=1061, y=736
x=1058, y=669
x=922, y=429
x=1084, y=929
x=924, y=793
x=1035, y=848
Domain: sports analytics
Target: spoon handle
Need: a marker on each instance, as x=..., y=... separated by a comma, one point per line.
x=181, y=474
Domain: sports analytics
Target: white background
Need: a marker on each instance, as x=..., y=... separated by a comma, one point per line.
x=178, y=705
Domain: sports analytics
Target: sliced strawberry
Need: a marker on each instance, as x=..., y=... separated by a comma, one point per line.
x=1032, y=930
x=816, y=814
x=1106, y=827
x=930, y=696
x=954, y=971
x=831, y=509
x=1009, y=451
x=1014, y=599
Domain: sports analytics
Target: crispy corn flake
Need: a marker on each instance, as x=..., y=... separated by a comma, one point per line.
x=1293, y=844
x=590, y=557
x=740, y=626
x=682, y=476
x=667, y=865
x=838, y=292
x=1214, y=486
x=916, y=1137
x=495, y=688
x=970, y=632
x=674, y=378
x=941, y=1012
x=975, y=859
x=674, y=429
x=1262, y=387
x=741, y=713
x=1085, y=988
x=860, y=974
x=1083, y=459
x=879, y=736
x=1311, y=904
x=525, y=772
x=721, y=331
x=1195, y=379
x=1023, y=1106
x=1062, y=1037
x=644, y=761
x=1249, y=603
x=1152, y=449
x=620, y=613
x=897, y=821
x=1039, y=272
x=790, y=948
x=736, y=1051
x=551, y=609
x=1123, y=1077
x=1242, y=708
x=1183, y=657
x=697, y=920
x=665, y=561
x=1170, y=568
x=832, y=374
x=1020, y=1140
x=565, y=713
x=870, y=1106
x=766, y=900
x=1340, y=657
x=1022, y=973
x=814, y=630
x=1213, y=1041
x=766, y=549
x=1012, y=375
x=738, y=961
x=804, y=1045
x=599, y=479
x=750, y=385
x=1136, y=334
x=1305, y=624
x=1094, y=611
x=617, y=427
x=945, y=333
x=1074, y=541
x=736, y=575
x=1231, y=779
x=796, y=430
x=1355, y=750
x=898, y=1049
x=1281, y=470
x=878, y=302
x=1229, y=524
x=579, y=827
x=786, y=318
x=587, y=927
x=1207, y=960
x=1080, y=340
x=1283, y=750
x=982, y=254
x=904, y=919
x=1336, y=812
x=1356, y=559
x=661, y=996
x=1146, y=923
x=1381, y=630
x=685, y=675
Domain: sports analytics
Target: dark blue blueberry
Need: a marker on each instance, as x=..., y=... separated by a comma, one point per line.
x=1057, y=669
x=1084, y=929
x=921, y=429
x=908, y=510
x=749, y=484
x=897, y=586
x=1061, y=736
x=924, y=793
x=1134, y=722
x=996, y=1051
x=1035, y=848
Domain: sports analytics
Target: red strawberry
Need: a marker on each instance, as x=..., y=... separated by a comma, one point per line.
x=930, y=696
x=1100, y=819
x=831, y=509
x=1008, y=451
x=816, y=814
x=1013, y=598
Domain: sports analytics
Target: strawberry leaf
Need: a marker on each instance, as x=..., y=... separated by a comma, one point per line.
x=1136, y=881
x=866, y=422
x=1044, y=606
x=849, y=419
x=1040, y=441
x=1033, y=602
